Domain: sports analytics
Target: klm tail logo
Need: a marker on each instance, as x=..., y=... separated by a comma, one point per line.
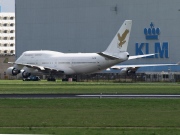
x=152, y=33
x=122, y=38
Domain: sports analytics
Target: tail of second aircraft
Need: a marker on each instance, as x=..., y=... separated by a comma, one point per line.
x=121, y=39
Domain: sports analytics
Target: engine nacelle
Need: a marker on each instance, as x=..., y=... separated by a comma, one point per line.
x=25, y=74
x=130, y=72
x=12, y=71
x=123, y=71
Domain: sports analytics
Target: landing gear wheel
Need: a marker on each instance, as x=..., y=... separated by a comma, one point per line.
x=51, y=79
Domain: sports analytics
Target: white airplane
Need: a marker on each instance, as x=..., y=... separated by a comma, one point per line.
x=131, y=69
x=52, y=62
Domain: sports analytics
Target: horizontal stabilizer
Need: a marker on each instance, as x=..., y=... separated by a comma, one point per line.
x=107, y=56
x=139, y=56
x=11, y=62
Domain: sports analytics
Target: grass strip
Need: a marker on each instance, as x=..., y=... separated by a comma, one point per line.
x=20, y=87
x=90, y=116
x=92, y=131
x=90, y=112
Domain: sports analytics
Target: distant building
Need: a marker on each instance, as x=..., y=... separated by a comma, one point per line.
x=7, y=33
x=89, y=26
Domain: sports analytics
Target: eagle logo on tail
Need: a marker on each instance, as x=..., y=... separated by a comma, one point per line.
x=122, y=38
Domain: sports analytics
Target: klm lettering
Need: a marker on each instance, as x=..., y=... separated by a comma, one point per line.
x=160, y=50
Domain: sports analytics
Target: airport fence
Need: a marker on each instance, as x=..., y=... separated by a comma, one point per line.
x=115, y=77
x=140, y=77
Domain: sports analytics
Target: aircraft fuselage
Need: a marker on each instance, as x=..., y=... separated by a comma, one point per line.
x=69, y=63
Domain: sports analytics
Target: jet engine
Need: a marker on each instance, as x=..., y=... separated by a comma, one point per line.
x=123, y=71
x=25, y=74
x=128, y=71
x=12, y=71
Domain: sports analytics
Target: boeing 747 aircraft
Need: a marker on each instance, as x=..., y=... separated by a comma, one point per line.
x=52, y=62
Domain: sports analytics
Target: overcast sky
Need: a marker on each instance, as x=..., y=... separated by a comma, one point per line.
x=7, y=5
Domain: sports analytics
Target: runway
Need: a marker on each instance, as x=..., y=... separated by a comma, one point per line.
x=41, y=96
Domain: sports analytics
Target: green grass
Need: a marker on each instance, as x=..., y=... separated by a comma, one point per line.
x=90, y=112
x=18, y=86
x=93, y=131
x=90, y=116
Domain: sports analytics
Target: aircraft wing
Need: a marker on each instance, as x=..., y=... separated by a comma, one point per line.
x=139, y=56
x=40, y=68
x=131, y=69
x=138, y=66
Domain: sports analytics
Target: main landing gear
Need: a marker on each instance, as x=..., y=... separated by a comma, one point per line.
x=51, y=78
x=66, y=78
x=69, y=78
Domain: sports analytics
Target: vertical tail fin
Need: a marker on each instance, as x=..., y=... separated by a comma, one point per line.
x=121, y=39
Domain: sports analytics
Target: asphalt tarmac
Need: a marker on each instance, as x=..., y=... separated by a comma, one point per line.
x=40, y=96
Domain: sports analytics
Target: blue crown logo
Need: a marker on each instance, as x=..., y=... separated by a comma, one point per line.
x=152, y=33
